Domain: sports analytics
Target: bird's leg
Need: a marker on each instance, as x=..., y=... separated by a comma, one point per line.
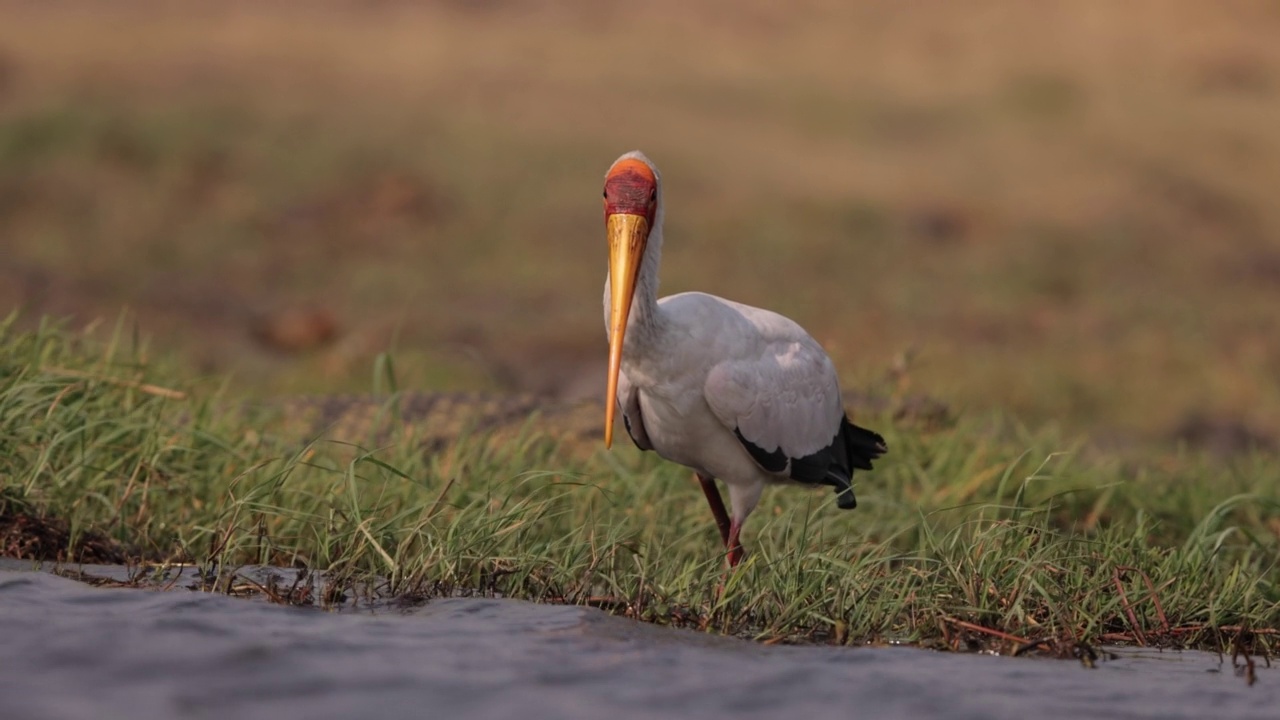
x=717, y=506
x=728, y=529
x=735, y=548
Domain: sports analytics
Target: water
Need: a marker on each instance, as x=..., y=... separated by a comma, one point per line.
x=68, y=650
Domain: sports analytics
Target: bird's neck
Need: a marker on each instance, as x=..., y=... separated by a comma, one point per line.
x=644, y=326
x=644, y=306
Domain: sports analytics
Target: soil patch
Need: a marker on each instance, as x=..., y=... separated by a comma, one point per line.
x=31, y=537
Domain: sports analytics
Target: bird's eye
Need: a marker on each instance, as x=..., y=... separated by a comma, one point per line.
x=606, y=193
x=653, y=195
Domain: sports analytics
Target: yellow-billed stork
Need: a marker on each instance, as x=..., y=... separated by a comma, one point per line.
x=731, y=391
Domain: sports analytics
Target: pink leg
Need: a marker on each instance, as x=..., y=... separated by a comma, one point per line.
x=717, y=506
x=735, y=548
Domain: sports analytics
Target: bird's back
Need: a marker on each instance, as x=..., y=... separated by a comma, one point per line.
x=738, y=330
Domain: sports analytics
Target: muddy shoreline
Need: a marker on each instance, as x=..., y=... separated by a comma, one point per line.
x=91, y=652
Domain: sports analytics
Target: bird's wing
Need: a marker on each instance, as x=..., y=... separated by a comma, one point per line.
x=629, y=405
x=783, y=403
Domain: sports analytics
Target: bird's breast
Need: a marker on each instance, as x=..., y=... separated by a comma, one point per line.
x=678, y=421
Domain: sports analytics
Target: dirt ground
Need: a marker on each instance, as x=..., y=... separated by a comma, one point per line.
x=1066, y=209
x=44, y=539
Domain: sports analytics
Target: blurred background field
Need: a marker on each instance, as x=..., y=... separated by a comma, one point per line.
x=1067, y=210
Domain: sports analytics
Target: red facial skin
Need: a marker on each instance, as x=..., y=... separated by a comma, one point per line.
x=631, y=188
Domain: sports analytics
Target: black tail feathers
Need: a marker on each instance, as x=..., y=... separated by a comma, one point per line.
x=861, y=445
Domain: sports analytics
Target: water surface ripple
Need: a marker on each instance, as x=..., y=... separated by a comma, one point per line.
x=74, y=651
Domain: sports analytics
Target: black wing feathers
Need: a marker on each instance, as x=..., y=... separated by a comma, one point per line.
x=635, y=429
x=852, y=449
x=773, y=462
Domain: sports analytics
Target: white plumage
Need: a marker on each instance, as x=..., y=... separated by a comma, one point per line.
x=731, y=391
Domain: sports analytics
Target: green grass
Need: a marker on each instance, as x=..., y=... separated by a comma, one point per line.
x=962, y=533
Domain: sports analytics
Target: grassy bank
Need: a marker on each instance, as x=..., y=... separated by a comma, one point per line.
x=979, y=532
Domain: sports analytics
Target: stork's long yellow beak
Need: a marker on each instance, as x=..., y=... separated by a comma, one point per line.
x=627, y=237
